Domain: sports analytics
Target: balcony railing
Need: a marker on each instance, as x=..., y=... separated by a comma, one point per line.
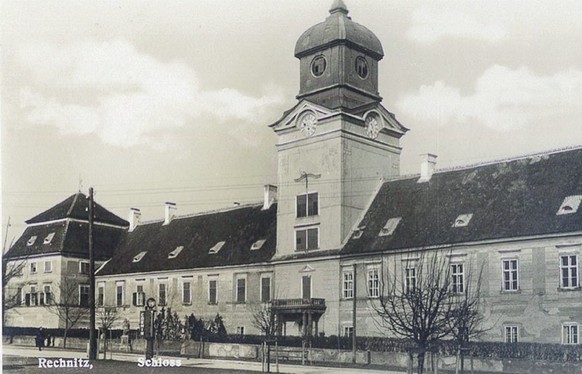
x=305, y=303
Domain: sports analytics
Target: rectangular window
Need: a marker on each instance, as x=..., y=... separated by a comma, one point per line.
x=84, y=295
x=410, y=278
x=47, y=297
x=569, y=271
x=83, y=267
x=33, y=296
x=186, y=293
x=212, y=292
x=240, y=330
x=458, y=280
x=373, y=283
x=348, y=331
x=241, y=290
x=265, y=289
x=19, y=296
x=33, y=267
x=119, y=293
x=307, y=205
x=511, y=334
x=510, y=275
x=348, y=284
x=570, y=333
x=139, y=296
x=48, y=266
x=306, y=287
x=100, y=295
x=162, y=294
x=306, y=239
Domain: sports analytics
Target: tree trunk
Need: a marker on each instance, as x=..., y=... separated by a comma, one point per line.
x=420, y=356
x=409, y=368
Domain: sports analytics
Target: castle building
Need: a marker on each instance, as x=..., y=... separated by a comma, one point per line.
x=344, y=218
x=51, y=259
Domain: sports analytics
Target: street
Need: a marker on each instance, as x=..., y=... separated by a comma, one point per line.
x=20, y=359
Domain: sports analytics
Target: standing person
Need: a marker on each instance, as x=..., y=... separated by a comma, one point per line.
x=39, y=339
x=48, y=339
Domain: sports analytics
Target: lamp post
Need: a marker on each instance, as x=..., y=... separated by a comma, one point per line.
x=149, y=333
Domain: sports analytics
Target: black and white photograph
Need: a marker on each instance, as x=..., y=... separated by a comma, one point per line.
x=308, y=186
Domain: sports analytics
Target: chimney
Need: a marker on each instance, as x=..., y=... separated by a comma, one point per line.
x=134, y=218
x=169, y=212
x=270, y=196
x=427, y=166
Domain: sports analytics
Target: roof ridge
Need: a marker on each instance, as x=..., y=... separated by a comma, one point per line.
x=70, y=210
x=508, y=159
x=198, y=214
x=486, y=163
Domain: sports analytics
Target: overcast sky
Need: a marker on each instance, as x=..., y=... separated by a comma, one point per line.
x=154, y=101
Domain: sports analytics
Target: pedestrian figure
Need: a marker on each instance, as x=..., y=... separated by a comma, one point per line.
x=39, y=339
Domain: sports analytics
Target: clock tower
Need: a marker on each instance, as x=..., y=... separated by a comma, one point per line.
x=338, y=143
x=339, y=62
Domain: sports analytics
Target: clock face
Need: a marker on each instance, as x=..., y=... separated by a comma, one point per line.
x=307, y=123
x=373, y=126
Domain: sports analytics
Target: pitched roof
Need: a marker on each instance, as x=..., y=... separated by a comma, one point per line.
x=238, y=228
x=508, y=199
x=68, y=238
x=76, y=206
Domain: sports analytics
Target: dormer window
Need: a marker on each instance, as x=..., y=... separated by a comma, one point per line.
x=214, y=250
x=31, y=240
x=49, y=238
x=175, y=252
x=570, y=205
x=463, y=220
x=358, y=232
x=390, y=226
x=139, y=256
x=258, y=244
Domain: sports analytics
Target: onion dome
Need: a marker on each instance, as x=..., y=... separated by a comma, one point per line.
x=337, y=29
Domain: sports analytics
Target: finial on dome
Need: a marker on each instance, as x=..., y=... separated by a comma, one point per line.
x=338, y=6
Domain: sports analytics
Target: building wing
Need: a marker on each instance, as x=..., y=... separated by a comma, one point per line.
x=212, y=239
x=518, y=198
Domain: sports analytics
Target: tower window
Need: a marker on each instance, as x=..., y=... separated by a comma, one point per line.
x=362, y=67
x=306, y=239
x=318, y=66
x=307, y=205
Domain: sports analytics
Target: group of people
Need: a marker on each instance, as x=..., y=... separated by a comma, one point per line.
x=41, y=337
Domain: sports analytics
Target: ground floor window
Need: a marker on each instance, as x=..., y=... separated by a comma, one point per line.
x=511, y=334
x=570, y=333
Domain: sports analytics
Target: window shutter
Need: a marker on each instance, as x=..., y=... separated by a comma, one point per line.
x=27, y=299
x=134, y=299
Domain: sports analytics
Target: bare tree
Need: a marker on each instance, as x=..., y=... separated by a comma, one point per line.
x=466, y=319
x=107, y=317
x=418, y=302
x=11, y=295
x=68, y=306
x=264, y=319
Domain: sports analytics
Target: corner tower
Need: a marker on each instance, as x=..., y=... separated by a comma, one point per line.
x=338, y=143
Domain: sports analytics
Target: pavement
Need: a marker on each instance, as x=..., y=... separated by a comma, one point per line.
x=12, y=353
